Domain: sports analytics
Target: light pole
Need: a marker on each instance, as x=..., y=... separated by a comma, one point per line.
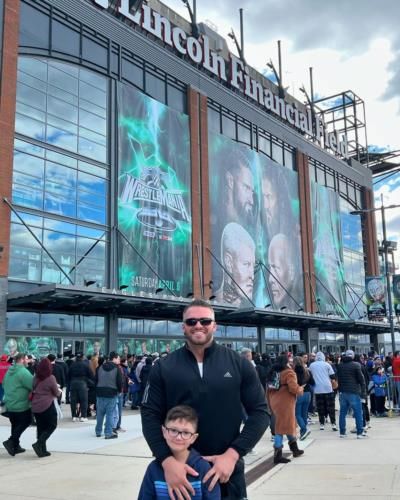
x=385, y=242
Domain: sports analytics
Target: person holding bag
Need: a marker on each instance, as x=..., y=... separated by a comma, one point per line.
x=45, y=390
x=282, y=391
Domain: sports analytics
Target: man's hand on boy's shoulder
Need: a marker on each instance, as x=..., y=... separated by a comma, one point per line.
x=175, y=476
x=222, y=467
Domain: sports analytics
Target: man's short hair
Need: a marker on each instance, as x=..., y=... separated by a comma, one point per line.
x=198, y=303
x=51, y=357
x=234, y=237
x=182, y=412
x=19, y=356
x=113, y=355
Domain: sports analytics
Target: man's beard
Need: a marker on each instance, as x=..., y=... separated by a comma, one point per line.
x=232, y=294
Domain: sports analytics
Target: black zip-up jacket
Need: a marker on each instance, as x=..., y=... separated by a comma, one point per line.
x=228, y=382
x=350, y=377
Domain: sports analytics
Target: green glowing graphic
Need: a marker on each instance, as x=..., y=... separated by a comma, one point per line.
x=328, y=251
x=154, y=207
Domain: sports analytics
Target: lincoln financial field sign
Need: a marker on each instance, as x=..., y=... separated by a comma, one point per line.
x=233, y=71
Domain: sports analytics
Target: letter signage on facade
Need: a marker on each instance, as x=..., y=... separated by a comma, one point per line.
x=234, y=71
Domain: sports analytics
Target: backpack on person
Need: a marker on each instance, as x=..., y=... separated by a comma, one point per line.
x=274, y=382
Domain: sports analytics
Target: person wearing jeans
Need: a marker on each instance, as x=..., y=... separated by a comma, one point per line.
x=105, y=409
x=349, y=400
x=304, y=379
x=108, y=386
x=352, y=389
x=302, y=404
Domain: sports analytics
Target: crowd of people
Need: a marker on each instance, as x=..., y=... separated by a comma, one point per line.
x=32, y=390
x=303, y=386
x=203, y=394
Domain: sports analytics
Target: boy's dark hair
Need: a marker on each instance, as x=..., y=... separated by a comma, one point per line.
x=182, y=412
x=198, y=303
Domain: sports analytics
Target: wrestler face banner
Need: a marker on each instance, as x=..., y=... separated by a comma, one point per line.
x=154, y=214
x=328, y=251
x=255, y=228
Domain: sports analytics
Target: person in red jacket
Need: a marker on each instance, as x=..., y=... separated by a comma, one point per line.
x=396, y=375
x=4, y=366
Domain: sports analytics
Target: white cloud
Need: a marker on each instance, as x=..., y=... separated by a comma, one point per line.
x=350, y=47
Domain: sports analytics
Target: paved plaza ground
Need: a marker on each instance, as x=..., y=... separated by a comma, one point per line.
x=83, y=467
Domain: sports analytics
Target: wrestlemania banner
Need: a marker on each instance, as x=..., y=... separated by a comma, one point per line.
x=154, y=210
x=328, y=250
x=396, y=294
x=255, y=228
x=375, y=291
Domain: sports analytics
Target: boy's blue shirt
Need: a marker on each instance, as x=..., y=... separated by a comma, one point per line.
x=154, y=486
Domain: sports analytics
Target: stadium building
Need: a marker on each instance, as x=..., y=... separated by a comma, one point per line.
x=144, y=164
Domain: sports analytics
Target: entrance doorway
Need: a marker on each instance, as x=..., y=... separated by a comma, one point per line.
x=71, y=347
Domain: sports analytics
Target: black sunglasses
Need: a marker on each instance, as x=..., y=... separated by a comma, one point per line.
x=194, y=321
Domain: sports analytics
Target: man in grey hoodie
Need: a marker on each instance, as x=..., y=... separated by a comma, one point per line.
x=323, y=373
x=108, y=386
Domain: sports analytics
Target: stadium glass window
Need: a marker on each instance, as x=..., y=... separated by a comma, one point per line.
x=277, y=153
x=34, y=27
x=132, y=73
x=176, y=98
x=244, y=134
x=214, y=121
x=62, y=105
x=229, y=127
x=155, y=87
x=64, y=39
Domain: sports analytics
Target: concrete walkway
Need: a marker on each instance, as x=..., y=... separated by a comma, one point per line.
x=333, y=468
x=85, y=467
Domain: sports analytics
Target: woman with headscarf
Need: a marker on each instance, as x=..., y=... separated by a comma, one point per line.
x=45, y=391
x=282, y=391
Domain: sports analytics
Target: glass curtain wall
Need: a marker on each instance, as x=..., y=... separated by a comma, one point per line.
x=61, y=174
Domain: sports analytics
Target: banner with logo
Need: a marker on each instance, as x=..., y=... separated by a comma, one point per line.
x=375, y=292
x=328, y=251
x=255, y=228
x=154, y=206
x=396, y=294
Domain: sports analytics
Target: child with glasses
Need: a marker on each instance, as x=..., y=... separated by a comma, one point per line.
x=179, y=431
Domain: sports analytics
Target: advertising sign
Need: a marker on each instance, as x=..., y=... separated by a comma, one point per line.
x=255, y=230
x=396, y=294
x=328, y=251
x=154, y=211
x=38, y=346
x=232, y=70
x=375, y=291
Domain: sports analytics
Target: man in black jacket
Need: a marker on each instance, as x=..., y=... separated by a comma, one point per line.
x=351, y=390
x=216, y=382
x=78, y=375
